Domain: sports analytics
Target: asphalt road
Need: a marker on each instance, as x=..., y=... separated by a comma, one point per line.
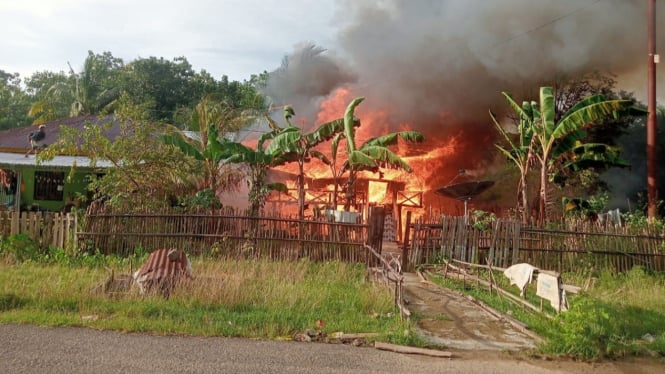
x=33, y=349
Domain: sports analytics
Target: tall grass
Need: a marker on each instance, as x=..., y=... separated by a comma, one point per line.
x=243, y=298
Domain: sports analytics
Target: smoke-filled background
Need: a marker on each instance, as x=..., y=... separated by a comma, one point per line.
x=439, y=66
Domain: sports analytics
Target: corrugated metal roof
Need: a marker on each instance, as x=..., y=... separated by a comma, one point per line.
x=16, y=139
x=8, y=160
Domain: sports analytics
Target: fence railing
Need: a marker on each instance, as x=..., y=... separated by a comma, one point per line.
x=506, y=242
x=46, y=228
x=225, y=233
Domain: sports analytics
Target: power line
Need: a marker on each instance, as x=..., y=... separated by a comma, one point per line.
x=548, y=23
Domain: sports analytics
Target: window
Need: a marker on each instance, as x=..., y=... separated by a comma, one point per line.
x=49, y=185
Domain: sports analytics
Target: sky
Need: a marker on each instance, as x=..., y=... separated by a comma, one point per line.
x=237, y=38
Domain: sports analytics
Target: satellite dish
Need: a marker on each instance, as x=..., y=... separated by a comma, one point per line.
x=464, y=191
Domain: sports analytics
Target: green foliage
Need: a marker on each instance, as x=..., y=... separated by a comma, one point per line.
x=19, y=247
x=373, y=153
x=213, y=119
x=14, y=102
x=204, y=198
x=558, y=139
x=622, y=314
x=586, y=331
x=296, y=146
x=93, y=90
x=146, y=172
x=638, y=220
x=581, y=207
x=481, y=219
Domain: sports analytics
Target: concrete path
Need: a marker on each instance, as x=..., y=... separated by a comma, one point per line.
x=448, y=319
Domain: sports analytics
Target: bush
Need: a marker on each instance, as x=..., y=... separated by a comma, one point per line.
x=19, y=247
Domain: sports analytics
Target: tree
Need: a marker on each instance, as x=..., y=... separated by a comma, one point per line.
x=556, y=139
x=47, y=106
x=521, y=153
x=96, y=87
x=570, y=91
x=145, y=172
x=373, y=153
x=90, y=91
x=14, y=102
x=258, y=161
x=209, y=118
x=163, y=85
x=296, y=146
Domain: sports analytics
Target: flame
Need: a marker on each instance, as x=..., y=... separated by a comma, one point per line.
x=334, y=107
x=428, y=160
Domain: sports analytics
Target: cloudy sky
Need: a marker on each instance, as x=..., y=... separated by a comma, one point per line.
x=233, y=37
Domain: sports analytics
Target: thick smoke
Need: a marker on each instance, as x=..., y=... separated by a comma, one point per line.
x=425, y=58
x=441, y=65
x=307, y=76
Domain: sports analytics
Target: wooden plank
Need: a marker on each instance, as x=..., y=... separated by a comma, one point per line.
x=411, y=350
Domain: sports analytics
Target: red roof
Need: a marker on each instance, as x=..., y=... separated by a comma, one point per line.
x=16, y=140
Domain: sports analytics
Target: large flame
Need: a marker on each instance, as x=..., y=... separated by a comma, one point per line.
x=427, y=160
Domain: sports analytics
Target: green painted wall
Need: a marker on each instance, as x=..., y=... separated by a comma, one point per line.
x=75, y=183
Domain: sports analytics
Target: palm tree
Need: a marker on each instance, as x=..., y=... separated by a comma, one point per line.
x=90, y=91
x=557, y=139
x=372, y=154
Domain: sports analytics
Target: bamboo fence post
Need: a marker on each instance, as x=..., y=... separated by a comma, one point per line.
x=406, y=246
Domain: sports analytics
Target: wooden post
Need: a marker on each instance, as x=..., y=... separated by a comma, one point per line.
x=405, y=250
x=376, y=220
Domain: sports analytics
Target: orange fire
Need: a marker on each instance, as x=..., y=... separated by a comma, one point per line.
x=427, y=160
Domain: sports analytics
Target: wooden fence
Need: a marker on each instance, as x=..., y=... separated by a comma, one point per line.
x=506, y=242
x=46, y=228
x=229, y=233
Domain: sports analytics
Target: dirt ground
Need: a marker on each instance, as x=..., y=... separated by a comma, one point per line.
x=453, y=322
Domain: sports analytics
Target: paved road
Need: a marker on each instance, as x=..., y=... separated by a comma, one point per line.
x=32, y=349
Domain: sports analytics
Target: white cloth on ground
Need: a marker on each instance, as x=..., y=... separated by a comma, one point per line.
x=520, y=275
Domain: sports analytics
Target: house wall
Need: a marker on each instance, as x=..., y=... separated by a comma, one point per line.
x=73, y=184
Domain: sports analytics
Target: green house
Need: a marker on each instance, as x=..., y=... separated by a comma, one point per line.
x=52, y=185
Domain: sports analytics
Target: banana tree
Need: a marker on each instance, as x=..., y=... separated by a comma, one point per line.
x=296, y=146
x=597, y=156
x=258, y=161
x=331, y=162
x=558, y=138
x=521, y=154
x=208, y=118
x=373, y=154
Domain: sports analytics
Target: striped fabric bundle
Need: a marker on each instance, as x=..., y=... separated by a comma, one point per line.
x=163, y=268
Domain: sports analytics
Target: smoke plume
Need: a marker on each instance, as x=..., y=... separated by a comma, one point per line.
x=441, y=65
